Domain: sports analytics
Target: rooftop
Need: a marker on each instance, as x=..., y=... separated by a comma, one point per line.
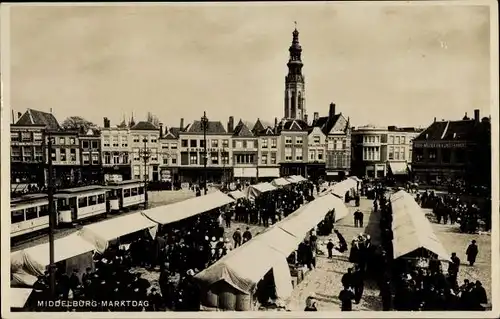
x=34, y=117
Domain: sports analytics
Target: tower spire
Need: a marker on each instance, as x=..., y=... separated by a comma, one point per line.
x=294, y=81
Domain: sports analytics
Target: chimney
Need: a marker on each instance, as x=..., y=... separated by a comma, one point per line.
x=182, y=124
x=230, y=125
x=106, y=122
x=331, y=113
x=275, y=122
x=305, y=119
x=316, y=116
x=50, y=110
x=434, y=119
x=161, y=130
x=476, y=115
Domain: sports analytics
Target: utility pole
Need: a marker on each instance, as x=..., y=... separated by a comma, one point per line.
x=52, y=215
x=204, y=123
x=145, y=156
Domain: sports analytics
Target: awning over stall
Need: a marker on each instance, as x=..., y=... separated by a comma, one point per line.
x=341, y=188
x=236, y=194
x=278, y=182
x=100, y=234
x=411, y=228
x=188, y=208
x=300, y=178
x=34, y=260
x=255, y=190
x=398, y=168
x=19, y=297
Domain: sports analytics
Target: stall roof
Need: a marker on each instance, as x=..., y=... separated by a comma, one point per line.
x=357, y=179
x=398, y=168
x=280, y=182
x=236, y=194
x=300, y=178
x=19, y=296
x=341, y=188
x=64, y=248
x=263, y=187
x=411, y=228
x=116, y=227
x=190, y=207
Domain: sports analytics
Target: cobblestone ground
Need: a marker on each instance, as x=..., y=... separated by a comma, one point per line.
x=325, y=281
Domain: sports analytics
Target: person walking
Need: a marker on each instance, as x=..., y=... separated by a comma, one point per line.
x=329, y=247
x=472, y=252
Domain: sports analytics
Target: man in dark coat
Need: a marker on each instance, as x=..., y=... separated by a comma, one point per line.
x=453, y=269
x=155, y=301
x=247, y=235
x=472, y=252
x=237, y=238
x=347, y=279
x=358, y=284
x=478, y=296
x=329, y=247
x=346, y=296
x=74, y=281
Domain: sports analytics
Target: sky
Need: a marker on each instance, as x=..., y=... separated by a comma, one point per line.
x=393, y=64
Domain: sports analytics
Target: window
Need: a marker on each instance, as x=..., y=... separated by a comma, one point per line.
x=288, y=140
x=239, y=144
x=126, y=192
x=27, y=154
x=391, y=139
x=255, y=144
x=17, y=216
x=154, y=154
x=317, y=139
x=264, y=142
x=403, y=153
x=72, y=155
x=225, y=143
x=154, y=139
x=115, y=141
x=100, y=199
x=174, y=159
x=85, y=144
x=391, y=152
x=86, y=159
x=92, y=200
x=202, y=143
x=344, y=144
x=273, y=158
x=339, y=144
x=225, y=158
x=165, y=161
x=173, y=146
x=244, y=144
x=52, y=154
x=125, y=158
x=82, y=202
x=38, y=154
x=62, y=140
x=14, y=137
x=137, y=156
x=95, y=145
x=419, y=154
x=298, y=140
x=62, y=155
x=312, y=155
x=106, y=142
x=43, y=211
x=193, y=159
x=37, y=137
x=403, y=140
x=72, y=141
x=26, y=136
x=445, y=155
x=215, y=143
x=263, y=159
x=95, y=159
x=288, y=154
x=397, y=140
x=141, y=190
x=136, y=139
x=331, y=145
x=274, y=143
x=124, y=140
x=214, y=158
x=31, y=213
x=133, y=191
x=145, y=139
x=320, y=155
x=432, y=155
x=107, y=158
x=193, y=143
x=184, y=143
x=164, y=146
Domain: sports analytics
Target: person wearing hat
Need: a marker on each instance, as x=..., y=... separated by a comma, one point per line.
x=329, y=247
x=310, y=304
x=346, y=297
x=74, y=281
x=472, y=252
x=155, y=301
x=247, y=235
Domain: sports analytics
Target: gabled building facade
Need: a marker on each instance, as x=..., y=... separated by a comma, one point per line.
x=316, y=149
x=91, y=158
x=245, y=151
x=116, y=152
x=269, y=156
x=144, y=145
x=169, y=154
x=293, y=138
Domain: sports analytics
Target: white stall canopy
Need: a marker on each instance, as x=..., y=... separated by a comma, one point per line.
x=255, y=190
x=19, y=297
x=411, y=228
x=398, y=168
x=236, y=194
x=280, y=182
x=188, y=208
x=341, y=188
x=100, y=234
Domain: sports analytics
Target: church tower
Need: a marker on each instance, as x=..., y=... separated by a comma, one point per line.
x=295, y=107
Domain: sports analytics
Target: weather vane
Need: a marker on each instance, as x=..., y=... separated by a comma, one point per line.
x=295, y=22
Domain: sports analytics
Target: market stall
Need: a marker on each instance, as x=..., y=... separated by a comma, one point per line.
x=191, y=207
x=19, y=297
x=254, y=191
x=70, y=252
x=101, y=234
x=236, y=194
x=280, y=182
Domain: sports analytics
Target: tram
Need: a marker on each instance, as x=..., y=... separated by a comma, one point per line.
x=29, y=214
x=75, y=204
x=125, y=195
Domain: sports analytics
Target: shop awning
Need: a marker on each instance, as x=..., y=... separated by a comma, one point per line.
x=188, y=208
x=37, y=258
x=19, y=296
x=236, y=194
x=411, y=228
x=280, y=182
x=101, y=233
x=242, y=172
x=398, y=168
x=269, y=172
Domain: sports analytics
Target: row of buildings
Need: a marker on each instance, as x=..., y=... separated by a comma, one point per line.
x=326, y=146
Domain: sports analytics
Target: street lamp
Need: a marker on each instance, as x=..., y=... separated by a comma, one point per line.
x=145, y=156
x=204, y=124
x=52, y=213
